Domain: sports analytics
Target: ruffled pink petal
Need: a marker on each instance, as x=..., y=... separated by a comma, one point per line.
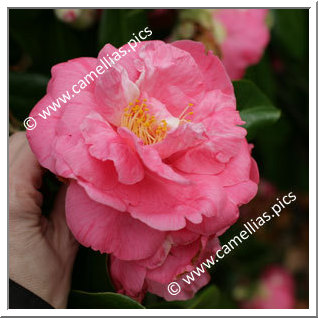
x=64, y=76
x=151, y=158
x=209, y=164
x=187, y=291
x=212, y=69
x=159, y=257
x=71, y=148
x=44, y=151
x=185, y=136
x=210, y=247
x=105, y=144
x=114, y=90
x=88, y=169
x=217, y=224
x=217, y=113
x=178, y=261
x=106, y=196
x=129, y=59
x=242, y=193
x=156, y=108
x=167, y=64
x=166, y=208
x=227, y=146
x=238, y=169
x=67, y=74
x=104, y=229
x=214, y=102
x=224, y=133
x=128, y=278
x=171, y=205
x=183, y=237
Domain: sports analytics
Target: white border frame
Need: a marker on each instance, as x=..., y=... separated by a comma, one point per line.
x=312, y=160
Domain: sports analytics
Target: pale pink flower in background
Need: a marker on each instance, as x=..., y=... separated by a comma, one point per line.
x=77, y=18
x=246, y=36
x=276, y=290
x=157, y=162
x=238, y=36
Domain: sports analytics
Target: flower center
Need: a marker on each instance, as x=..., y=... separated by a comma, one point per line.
x=148, y=128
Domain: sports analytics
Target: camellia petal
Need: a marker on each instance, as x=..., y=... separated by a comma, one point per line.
x=106, y=144
x=103, y=228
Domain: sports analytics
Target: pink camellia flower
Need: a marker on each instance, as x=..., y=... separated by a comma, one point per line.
x=238, y=36
x=157, y=162
x=276, y=290
x=245, y=37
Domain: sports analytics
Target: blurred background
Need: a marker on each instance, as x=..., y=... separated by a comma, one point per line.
x=271, y=267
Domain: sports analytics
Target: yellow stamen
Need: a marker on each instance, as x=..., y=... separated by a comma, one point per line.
x=142, y=124
x=184, y=114
x=136, y=118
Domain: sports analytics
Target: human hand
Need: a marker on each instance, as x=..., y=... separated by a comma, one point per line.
x=41, y=250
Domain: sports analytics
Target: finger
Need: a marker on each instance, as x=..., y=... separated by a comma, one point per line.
x=25, y=177
x=58, y=231
x=23, y=165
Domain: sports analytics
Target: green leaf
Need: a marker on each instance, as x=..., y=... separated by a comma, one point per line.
x=26, y=90
x=255, y=107
x=209, y=298
x=81, y=300
x=118, y=25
